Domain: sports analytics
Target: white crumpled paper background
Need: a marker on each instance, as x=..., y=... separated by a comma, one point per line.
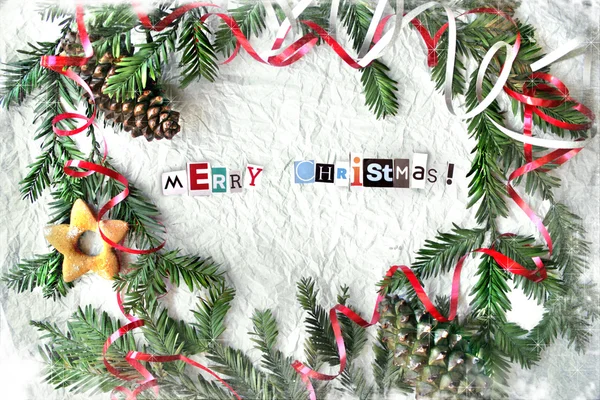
x=269, y=238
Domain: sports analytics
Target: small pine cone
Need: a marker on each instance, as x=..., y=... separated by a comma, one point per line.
x=152, y=118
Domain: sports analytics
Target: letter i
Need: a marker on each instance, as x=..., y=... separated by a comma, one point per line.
x=356, y=165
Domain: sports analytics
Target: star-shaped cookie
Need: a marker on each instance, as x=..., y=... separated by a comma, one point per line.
x=65, y=239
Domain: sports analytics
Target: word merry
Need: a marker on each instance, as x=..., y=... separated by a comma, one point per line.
x=371, y=172
x=200, y=179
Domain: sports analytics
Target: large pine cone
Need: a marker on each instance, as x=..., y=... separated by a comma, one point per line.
x=434, y=356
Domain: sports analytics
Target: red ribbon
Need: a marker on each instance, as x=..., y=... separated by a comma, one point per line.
x=302, y=46
x=134, y=358
x=557, y=157
x=531, y=106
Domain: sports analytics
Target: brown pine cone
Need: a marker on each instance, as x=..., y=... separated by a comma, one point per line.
x=148, y=114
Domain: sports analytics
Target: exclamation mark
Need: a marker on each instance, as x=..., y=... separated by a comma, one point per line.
x=450, y=174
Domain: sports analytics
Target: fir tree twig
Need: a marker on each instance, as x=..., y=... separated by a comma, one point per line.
x=284, y=378
x=380, y=90
x=133, y=72
x=198, y=58
x=250, y=17
x=145, y=279
x=440, y=255
x=44, y=271
x=74, y=358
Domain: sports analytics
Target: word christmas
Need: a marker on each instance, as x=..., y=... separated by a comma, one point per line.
x=200, y=179
x=371, y=172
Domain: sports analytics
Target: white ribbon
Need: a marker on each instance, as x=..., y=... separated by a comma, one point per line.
x=557, y=54
x=364, y=49
x=368, y=53
x=290, y=17
x=333, y=16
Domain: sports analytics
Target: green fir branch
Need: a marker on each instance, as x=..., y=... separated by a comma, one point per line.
x=162, y=333
x=395, y=283
x=498, y=341
x=356, y=17
x=110, y=28
x=132, y=73
x=571, y=314
x=490, y=300
x=64, y=196
x=354, y=381
x=145, y=230
x=387, y=375
x=496, y=365
x=318, y=324
x=522, y=250
x=438, y=71
x=211, y=312
x=74, y=357
x=20, y=78
x=565, y=113
x=198, y=58
x=247, y=380
x=440, y=255
x=316, y=361
x=44, y=271
x=355, y=336
x=319, y=14
x=146, y=277
x=283, y=376
x=355, y=339
x=379, y=88
x=513, y=341
x=47, y=170
x=184, y=388
x=250, y=17
x=536, y=182
x=486, y=187
x=571, y=250
x=51, y=11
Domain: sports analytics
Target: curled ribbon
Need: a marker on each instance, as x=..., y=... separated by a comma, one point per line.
x=566, y=149
x=306, y=373
x=60, y=65
x=556, y=157
x=375, y=35
x=134, y=358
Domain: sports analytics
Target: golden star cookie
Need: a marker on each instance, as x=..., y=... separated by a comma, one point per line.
x=65, y=239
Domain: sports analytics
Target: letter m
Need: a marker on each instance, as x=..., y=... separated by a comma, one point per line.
x=172, y=182
x=402, y=171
